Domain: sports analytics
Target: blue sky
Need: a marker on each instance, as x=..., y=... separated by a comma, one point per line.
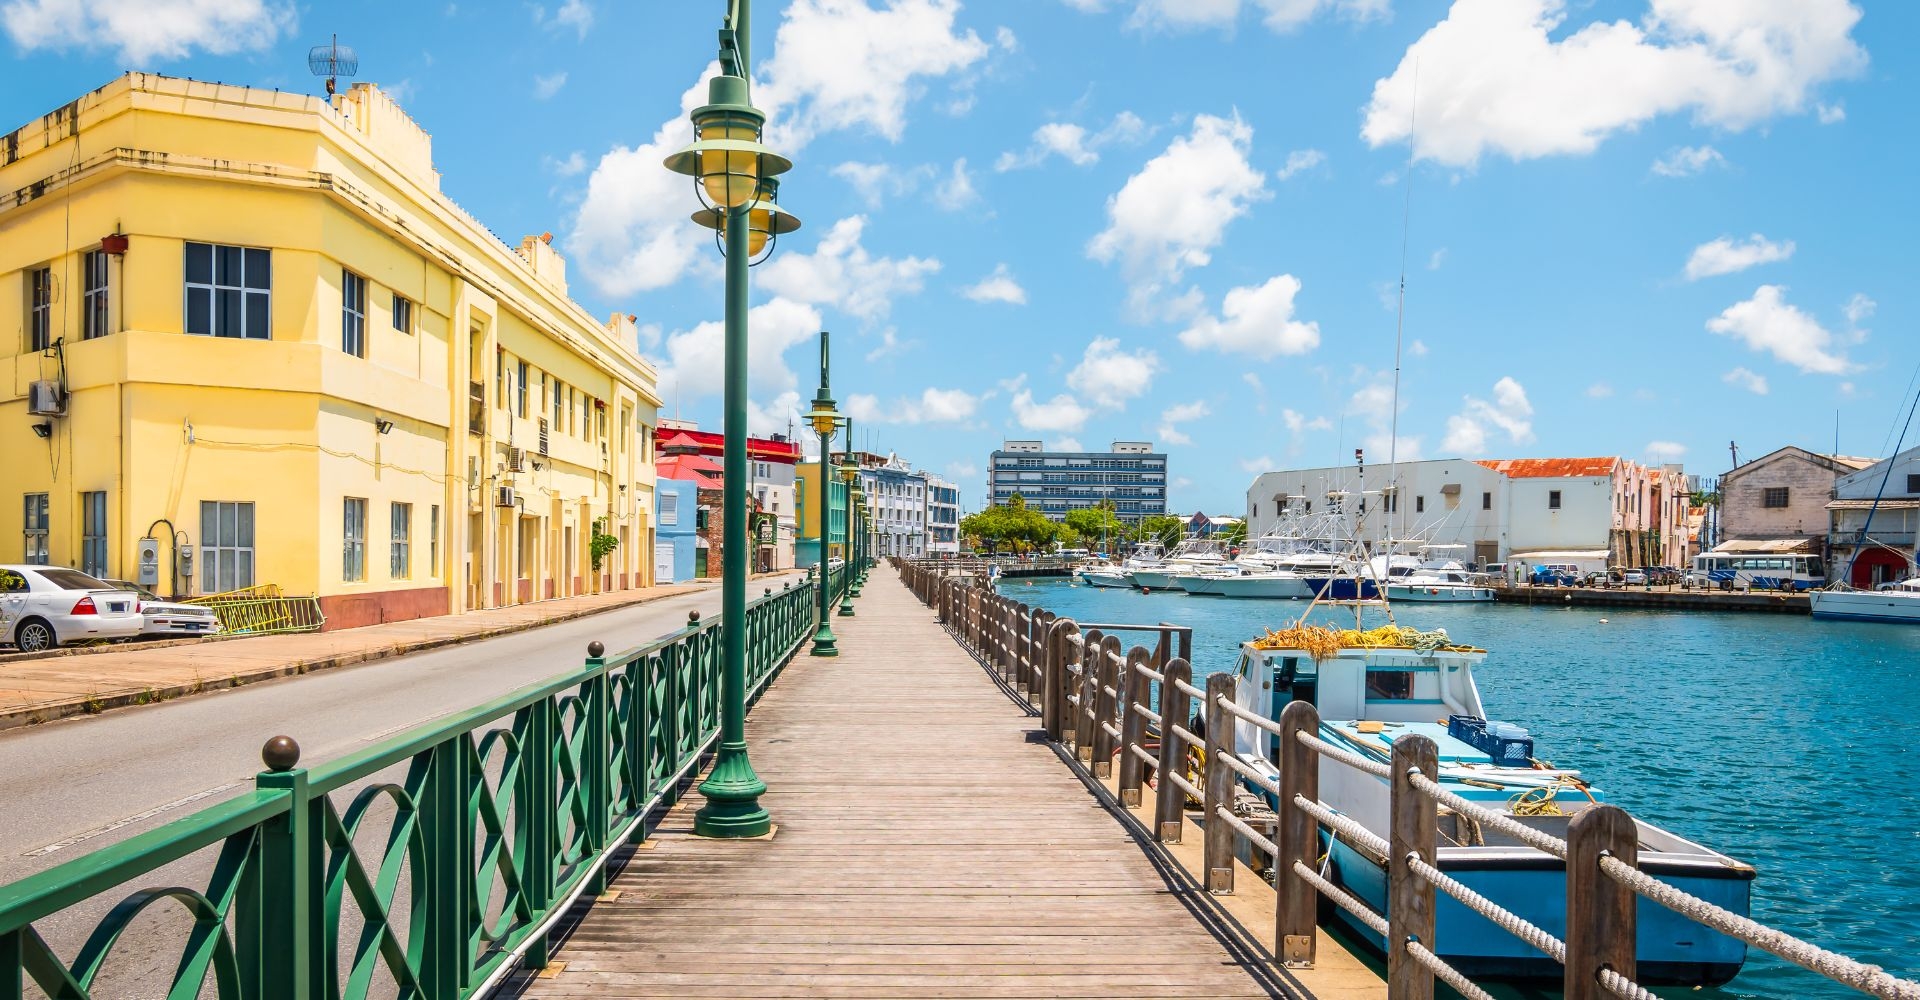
x=1637, y=227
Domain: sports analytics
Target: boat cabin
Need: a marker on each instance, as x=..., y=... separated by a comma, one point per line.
x=1376, y=684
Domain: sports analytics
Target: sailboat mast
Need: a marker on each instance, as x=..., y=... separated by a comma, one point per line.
x=1400, y=323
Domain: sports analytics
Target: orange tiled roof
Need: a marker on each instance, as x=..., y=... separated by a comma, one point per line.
x=1551, y=468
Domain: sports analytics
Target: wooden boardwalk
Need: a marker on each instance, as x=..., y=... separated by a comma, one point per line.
x=927, y=845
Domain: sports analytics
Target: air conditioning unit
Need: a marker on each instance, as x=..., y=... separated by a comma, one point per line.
x=503, y=497
x=44, y=399
x=516, y=459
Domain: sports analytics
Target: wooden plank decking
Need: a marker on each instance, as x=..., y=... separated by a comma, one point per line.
x=926, y=846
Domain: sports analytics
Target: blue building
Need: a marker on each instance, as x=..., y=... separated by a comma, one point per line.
x=1132, y=475
x=676, y=519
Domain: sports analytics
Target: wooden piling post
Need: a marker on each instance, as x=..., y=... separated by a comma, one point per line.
x=1410, y=900
x=1169, y=812
x=1051, y=686
x=1600, y=911
x=1133, y=726
x=1299, y=838
x=1106, y=682
x=1083, y=686
x=1220, y=785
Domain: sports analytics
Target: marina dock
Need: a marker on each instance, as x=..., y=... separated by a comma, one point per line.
x=929, y=843
x=1662, y=599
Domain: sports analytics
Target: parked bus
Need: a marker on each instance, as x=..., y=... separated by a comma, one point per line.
x=1758, y=572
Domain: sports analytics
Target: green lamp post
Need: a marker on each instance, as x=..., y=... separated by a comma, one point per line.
x=824, y=419
x=849, y=474
x=733, y=175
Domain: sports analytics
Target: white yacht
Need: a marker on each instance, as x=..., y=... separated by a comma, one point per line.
x=1189, y=557
x=1439, y=578
x=1890, y=602
x=1103, y=573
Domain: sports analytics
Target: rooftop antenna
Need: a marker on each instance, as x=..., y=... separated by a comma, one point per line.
x=332, y=60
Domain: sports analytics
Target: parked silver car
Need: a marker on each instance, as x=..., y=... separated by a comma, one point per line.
x=42, y=607
x=170, y=618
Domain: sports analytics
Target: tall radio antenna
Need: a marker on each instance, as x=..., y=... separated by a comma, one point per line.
x=332, y=60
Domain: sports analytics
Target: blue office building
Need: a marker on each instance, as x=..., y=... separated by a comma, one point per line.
x=1132, y=475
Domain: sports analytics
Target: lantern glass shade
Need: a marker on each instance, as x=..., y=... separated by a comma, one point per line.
x=730, y=173
x=823, y=418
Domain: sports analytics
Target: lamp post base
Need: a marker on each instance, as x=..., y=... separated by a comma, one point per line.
x=846, y=608
x=823, y=642
x=733, y=808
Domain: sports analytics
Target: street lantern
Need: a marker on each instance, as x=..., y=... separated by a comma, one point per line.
x=733, y=179
x=823, y=418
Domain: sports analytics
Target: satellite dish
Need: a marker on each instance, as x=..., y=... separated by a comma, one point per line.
x=332, y=60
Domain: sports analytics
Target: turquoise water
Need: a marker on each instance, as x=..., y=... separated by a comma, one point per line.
x=1776, y=739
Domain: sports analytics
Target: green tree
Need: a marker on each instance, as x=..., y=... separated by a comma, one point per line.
x=1163, y=528
x=1012, y=525
x=1235, y=535
x=1097, y=523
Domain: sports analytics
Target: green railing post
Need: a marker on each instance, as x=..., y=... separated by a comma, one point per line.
x=446, y=955
x=280, y=916
x=13, y=960
x=534, y=804
x=639, y=750
x=596, y=776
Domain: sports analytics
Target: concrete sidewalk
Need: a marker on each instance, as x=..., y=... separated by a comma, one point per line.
x=40, y=689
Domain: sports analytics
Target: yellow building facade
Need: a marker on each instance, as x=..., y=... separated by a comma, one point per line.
x=249, y=326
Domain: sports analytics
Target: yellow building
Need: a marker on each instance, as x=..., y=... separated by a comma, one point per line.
x=249, y=325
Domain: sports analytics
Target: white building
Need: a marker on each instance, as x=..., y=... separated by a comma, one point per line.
x=897, y=497
x=772, y=485
x=1887, y=553
x=943, y=516
x=1590, y=512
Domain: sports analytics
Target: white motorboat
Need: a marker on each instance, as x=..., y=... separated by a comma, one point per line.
x=1890, y=602
x=1188, y=558
x=1438, y=579
x=1103, y=574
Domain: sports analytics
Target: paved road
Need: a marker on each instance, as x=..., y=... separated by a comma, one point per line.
x=86, y=782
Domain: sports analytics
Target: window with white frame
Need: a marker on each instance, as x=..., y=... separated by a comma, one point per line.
x=226, y=546
x=229, y=291
x=353, y=537
x=93, y=297
x=39, y=308
x=399, y=541
x=669, y=509
x=36, y=523
x=403, y=314
x=353, y=314
x=93, y=533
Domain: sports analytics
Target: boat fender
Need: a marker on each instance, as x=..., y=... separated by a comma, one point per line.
x=1603, y=621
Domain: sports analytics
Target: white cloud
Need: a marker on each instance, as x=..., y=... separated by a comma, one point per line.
x=695, y=359
x=1665, y=452
x=1766, y=322
x=1256, y=321
x=1110, y=376
x=1061, y=413
x=1297, y=422
x=890, y=345
x=1727, y=256
x=1418, y=348
x=1253, y=379
x=837, y=64
x=1074, y=143
x=1299, y=160
x=1831, y=114
x=775, y=416
x=146, y=31
x=573, y=166
x=956, y=191
x=1508, y=411
x=1437, y=258
x=962, y=470
x=1859, y=308
x=933, y=406
x=1280, y=16
x=1508, y=76
x=1599, y=390
x=1255, y=466
x=1685, y=161
x=574, y=14
x=544, y=87
x=1373, y=404
x=1177, y=414
x=1065, y=444
x=999, y=286
x=841, y=273
x=1004, y=38
x=1170, y=215
x=1750, y=381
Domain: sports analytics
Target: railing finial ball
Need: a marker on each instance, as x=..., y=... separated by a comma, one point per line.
x=596, y=649
x=280, y=754
x=693, y=618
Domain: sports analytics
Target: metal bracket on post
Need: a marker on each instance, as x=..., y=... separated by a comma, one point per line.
x=1299, y=838
x=1410, y=903
x=1169, y=812
x=1220, y=785
x=1600, y=911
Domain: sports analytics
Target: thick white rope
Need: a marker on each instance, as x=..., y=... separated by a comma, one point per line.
x=1254, y=837
x=1181, y=731
x=1191, y=691
x=1111, y=729
x=1145, y=757
x=1186, y=786
x=1622, y=987
x=1833, y=965
x=1447, y=973
x=1248, y=717
x=1508, y=921
x=1378, y=769
x=1344, y=824
x=1146, y=713
x=1341, y=899
x=1533, y=838
x=1150, y=673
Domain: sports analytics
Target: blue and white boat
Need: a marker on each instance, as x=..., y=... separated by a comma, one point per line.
x=1103, y=574
x=1367, y=698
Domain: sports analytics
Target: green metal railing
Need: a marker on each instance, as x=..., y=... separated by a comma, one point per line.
x=504, y=815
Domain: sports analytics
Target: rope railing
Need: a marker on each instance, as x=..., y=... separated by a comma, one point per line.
x=1131, y=708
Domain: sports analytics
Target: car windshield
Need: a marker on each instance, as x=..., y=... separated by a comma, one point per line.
x=71, y=579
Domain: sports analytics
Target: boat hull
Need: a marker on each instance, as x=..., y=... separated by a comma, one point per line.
x=1291, y=588
x=1198, y=584
x=1670, y=949
x=1866, y=606
x=1105, y=580
x=1342, y=588
x=1439, y=593
x=1153, y=579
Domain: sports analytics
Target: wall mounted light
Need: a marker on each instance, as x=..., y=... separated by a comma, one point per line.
x=43, y=429
x=382, y=424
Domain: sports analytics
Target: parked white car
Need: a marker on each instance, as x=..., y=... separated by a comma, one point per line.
x=170, y=618
x=42, y=607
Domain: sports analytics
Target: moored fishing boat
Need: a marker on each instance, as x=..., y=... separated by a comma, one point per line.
x=1375, y=686
x=1103, y=574
x=1189, y=557
x=1438, y=579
